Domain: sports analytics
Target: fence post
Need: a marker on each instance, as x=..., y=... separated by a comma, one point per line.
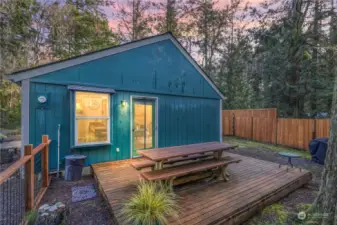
x=252, y=128
x=29, y=175
x=233, y=124
x=313, y=135
x=45, y=163
x=276, y=130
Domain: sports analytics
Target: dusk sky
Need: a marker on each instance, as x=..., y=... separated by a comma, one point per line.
x=220, y=3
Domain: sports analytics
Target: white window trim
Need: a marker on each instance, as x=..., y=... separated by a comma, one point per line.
x=76, y=118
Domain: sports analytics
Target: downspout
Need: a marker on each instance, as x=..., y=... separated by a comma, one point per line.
x=58, y=149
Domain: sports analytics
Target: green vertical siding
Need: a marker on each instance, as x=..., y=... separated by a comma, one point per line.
x=188, y=106
x=156, y=68
x=181, y=120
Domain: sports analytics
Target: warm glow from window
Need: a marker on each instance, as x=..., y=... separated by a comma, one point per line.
x=92, y=124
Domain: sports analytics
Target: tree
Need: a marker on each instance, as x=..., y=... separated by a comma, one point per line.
x=36, y=32
x=324, y=208
x=78, y=27
x=325, y=204
x=16, y=34
x=134, y=21
x=208, y=25
x=170, y=21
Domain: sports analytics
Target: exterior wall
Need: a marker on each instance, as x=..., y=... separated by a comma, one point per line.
x=158, y=68
x=188, y=106
x=181, y=120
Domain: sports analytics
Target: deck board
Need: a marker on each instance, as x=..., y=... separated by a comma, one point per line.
x=253, y=184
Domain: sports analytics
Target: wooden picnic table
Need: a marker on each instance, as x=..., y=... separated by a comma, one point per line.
x=160, y=155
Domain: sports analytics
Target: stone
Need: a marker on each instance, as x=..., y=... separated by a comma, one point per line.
x=52, y=208
x=60, y=205
x=55, y=215
x=44, y=207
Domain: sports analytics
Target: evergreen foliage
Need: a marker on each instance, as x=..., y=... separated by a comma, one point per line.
x=270, y=54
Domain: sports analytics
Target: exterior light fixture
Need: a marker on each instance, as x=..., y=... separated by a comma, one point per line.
x=42, y=99
x=123, y=103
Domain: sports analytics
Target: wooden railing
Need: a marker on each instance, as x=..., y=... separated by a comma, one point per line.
x=23, y=171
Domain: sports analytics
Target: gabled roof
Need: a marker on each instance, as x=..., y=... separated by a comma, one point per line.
x=18, y=76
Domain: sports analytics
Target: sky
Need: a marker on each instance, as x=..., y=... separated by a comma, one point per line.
x=113, y=22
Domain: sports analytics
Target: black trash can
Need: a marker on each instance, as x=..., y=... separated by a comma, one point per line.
x=74, y=166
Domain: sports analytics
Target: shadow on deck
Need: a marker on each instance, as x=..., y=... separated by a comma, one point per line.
x=253, y=184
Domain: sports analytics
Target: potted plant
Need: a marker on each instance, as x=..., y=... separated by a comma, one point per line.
x=153, y=204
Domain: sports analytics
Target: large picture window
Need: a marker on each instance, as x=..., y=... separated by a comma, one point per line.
x=92, y=122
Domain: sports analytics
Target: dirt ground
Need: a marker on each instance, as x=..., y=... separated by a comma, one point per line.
x=90, y=212
x=95, y=211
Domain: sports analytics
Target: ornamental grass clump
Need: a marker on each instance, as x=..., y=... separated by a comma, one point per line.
x=153, y=204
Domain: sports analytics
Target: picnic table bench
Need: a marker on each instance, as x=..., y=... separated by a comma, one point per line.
x=192, y=159
x=146, y=163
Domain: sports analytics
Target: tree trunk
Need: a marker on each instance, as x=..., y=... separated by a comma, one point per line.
x=313, y=94
x=324, y=209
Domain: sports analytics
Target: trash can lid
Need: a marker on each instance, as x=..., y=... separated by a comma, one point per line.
x=74, y=157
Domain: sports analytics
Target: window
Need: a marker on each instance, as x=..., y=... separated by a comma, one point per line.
x=92, y=118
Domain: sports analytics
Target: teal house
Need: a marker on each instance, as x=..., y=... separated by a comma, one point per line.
x=108, y=104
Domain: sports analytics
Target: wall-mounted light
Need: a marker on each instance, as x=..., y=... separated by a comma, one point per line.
x=123, y=103
x=42, y=99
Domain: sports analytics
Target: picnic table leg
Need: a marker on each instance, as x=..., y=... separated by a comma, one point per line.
x=218, y=155
x=158, y=165
x=224, y=173
x=171, y=183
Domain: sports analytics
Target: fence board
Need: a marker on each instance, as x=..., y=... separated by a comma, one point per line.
x=248, y=114
x=227, y=125
x=264, y=129
x=263, y=125
x=243, y=127
x=322, y=128
x=296, y=133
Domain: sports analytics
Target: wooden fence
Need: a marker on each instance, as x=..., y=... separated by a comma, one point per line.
x=263, y=125
x=22, y=171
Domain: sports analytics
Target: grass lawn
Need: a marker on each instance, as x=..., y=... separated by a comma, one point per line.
x=243, y=143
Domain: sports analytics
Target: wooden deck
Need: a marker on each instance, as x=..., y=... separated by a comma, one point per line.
x=253, y=184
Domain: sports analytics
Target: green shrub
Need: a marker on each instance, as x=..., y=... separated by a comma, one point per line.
x=153, y=203
x=31, y=217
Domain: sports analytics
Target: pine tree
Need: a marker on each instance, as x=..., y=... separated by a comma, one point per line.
x=134, y=21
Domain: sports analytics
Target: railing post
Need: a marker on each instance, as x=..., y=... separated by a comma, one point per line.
x=29, y=175
x=45, y=163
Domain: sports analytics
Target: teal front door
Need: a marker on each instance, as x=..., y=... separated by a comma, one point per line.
x=143, y=125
